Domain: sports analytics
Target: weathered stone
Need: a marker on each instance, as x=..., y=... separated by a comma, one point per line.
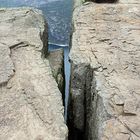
x=106, y=38
x=56, y=59
x=105, y=1
x=118, y=100
x=130, y=106
x=129, y=2
x=30, y=102
x=132, y=124
x=118, y=131
x=6, y=64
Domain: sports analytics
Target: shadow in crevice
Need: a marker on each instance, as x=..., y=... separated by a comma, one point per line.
x=75, y=134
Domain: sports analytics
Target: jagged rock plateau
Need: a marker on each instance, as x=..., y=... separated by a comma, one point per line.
x=30, y=102
x=105, y=77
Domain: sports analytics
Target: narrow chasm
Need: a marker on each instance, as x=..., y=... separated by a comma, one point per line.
x=80, y=101
x=78, y=92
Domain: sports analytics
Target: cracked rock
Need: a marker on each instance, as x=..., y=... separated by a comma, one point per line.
x=30, y=101
x=106, y=38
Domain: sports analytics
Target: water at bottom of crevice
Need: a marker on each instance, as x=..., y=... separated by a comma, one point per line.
x=74, y=134
x=67, y=68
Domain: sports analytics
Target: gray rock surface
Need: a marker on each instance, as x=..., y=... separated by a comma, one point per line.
x=105, y=81
x=56, y=59
x=30, y=102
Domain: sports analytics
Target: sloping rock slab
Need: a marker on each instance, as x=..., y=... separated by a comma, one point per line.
x=30, y=102
x=106, y=45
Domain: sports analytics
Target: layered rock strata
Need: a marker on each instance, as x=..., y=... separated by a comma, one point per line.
x=105, y=77
x=30, y=102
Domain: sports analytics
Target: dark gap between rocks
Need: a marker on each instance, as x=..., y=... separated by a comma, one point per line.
x=75, y=134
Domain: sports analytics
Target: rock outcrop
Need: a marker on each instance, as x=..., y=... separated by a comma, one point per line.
x=30, y=102
x=105, y=77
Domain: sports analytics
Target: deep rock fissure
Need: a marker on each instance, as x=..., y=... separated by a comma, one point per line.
x=74, y=133
x=67, y=67
x=81, y=81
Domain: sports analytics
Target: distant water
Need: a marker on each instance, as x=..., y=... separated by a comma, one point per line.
x=57, y=12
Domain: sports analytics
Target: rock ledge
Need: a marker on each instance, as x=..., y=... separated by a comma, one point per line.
x=30, y=102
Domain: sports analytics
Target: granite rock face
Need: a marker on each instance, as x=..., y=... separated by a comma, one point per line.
x=56, y=59
x=105, y=78
x=30, y=102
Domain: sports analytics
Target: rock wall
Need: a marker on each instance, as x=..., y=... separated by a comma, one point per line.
x=105, y=77
x=56, y=60
x=30, y=102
